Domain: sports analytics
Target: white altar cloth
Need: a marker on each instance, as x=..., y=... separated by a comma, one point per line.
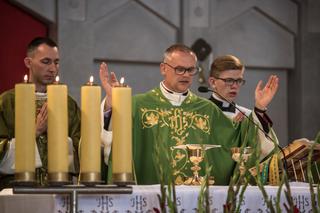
x=145, y=199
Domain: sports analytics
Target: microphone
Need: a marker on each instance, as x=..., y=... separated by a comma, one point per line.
x=204, y=89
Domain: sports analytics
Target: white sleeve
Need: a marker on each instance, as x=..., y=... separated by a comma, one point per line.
x=267, y=145
x=106, y=136
x=7, y=165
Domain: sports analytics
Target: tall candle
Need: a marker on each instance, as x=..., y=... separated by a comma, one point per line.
x=90, y=130
x=25, y=127
x=57, y=128
x=121, y=131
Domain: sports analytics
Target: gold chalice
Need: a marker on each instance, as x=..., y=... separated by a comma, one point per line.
x=196, y=154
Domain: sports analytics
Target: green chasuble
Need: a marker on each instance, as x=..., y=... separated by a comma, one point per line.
x=7, y=126
x=196, y=121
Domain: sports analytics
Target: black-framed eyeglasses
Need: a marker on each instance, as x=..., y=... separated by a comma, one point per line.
x=231, y=81
x=182, y=70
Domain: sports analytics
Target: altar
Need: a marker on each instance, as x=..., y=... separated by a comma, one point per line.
x=145, y=199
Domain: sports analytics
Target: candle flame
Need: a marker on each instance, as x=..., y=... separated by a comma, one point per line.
x=121, y=80
x=91, y=79
x=25, y=78
x=57, y=79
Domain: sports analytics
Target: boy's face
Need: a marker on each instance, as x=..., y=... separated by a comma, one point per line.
x=225, y=84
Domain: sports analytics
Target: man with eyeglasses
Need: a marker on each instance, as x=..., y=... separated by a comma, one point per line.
x=171, y=115
x=226, y=79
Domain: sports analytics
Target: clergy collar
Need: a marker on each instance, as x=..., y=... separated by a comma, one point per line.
x=223, y=105
x=175, y=98
x=172, y=92
x=222, y=102
x=41, y=94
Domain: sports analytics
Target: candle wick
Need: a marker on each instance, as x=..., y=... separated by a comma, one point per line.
x=123, y=85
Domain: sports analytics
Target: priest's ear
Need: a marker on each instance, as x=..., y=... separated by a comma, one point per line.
x=162, y=69
x=27, y=62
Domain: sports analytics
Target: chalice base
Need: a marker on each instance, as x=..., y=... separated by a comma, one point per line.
x=194, y=181
x=198, y=181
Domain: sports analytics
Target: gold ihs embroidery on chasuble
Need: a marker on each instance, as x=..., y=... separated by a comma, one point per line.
x=180, y=123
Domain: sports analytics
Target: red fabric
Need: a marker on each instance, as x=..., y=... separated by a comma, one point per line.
x=17, y=29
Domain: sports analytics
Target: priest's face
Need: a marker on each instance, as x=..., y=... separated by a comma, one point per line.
x=43, y=65
x=173, y=80
x=228, y=83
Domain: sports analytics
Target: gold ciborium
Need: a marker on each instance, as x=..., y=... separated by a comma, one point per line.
x=196, y=154
x=241, y=155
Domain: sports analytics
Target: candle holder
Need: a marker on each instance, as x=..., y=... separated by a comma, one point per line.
x=24, y=179
x=58, y=178
x=122, y=179
x=90, y=178
x=196, y=154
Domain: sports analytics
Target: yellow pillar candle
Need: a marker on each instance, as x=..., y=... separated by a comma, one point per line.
x=57, y=132
x=121, y=134
x=90, y=148
x=25, y=131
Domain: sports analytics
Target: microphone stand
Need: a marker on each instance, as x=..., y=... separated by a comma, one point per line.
x=206, y=89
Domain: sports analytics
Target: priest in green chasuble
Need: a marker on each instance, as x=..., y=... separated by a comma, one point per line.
x=42, y=61
x=172, y=114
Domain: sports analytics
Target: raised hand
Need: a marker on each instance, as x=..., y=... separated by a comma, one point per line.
x=107, y=81
x=264, y=96
x=42, y=120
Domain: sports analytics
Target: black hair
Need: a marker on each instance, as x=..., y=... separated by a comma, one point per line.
x=36, y=42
